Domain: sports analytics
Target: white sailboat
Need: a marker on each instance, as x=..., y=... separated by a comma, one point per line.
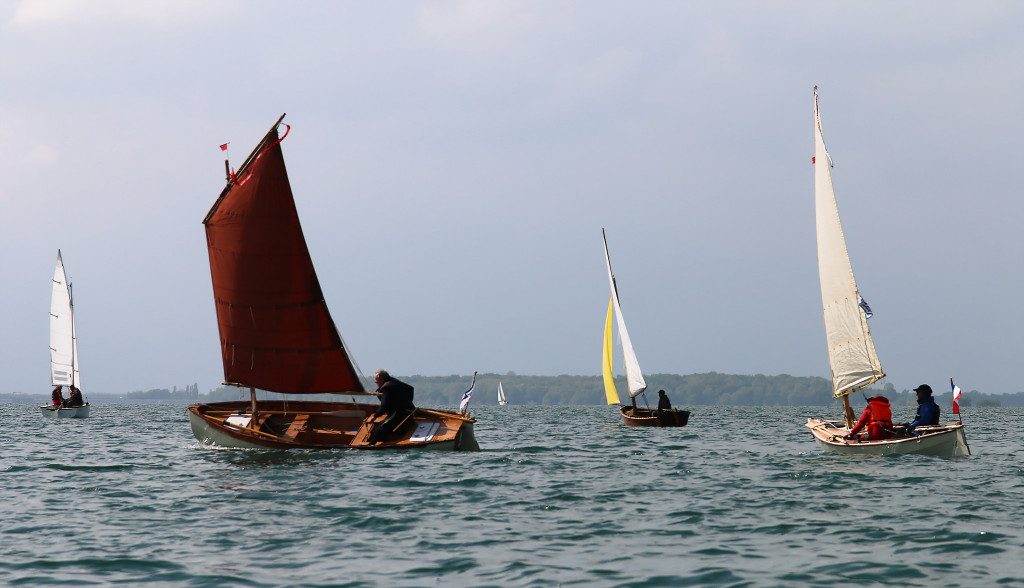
x=501, y=395
x=851, y=350
x=632, y=415
x=64, y=366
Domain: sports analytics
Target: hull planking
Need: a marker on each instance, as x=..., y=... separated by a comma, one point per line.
x=323, y=425
x=941, y=440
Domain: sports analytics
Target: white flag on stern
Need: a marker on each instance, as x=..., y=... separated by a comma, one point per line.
x=467, y=395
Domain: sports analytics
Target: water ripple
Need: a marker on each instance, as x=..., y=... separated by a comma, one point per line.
x=559, y=497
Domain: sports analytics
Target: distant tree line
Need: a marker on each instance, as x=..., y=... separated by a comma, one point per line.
x=708, y=389
x=189, y=393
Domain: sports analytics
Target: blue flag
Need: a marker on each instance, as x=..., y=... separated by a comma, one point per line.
x=864, y=304
x=468, y=394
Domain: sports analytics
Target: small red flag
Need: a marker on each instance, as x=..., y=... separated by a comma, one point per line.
x=812, y=158
x=224, y=147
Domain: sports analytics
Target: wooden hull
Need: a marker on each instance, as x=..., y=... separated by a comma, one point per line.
x=941, y=440
x=323, y=425
x=646, y=417
x=76, y=412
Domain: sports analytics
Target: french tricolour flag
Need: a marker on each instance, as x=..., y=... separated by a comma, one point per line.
x=956, y=397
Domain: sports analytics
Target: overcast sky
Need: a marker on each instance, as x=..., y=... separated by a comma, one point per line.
x=454, y=162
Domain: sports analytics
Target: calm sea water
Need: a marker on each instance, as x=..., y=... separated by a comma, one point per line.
x=558, y=496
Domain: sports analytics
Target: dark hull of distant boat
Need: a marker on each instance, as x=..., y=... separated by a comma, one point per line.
x=646, y=417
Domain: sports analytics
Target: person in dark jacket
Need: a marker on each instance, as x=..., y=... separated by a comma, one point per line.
x=927, y=411
x=395, y=405
x=57, y=397
x=663, y=402
x=75, y=398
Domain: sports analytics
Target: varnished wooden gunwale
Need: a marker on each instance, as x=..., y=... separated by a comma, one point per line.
x=326, y=425
x=650, y=418
x=942, y=440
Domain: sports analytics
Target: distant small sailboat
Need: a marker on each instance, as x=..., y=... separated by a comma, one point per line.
x=851, y=350
x=634, y=416
x=64, y=367
x=501, y=395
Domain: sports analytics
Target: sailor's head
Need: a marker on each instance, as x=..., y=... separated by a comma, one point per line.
x=661, y=392
x=923, y=390
x=380, y=377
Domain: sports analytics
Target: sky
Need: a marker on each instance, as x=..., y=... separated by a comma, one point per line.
x=454, y=162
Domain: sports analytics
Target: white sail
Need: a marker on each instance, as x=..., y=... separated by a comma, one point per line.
x=501, y=395
x=63, y=343
x=634, y=377
x=851, y=351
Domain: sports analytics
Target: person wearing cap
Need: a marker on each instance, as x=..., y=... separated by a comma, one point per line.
x=927, y=411
x=663, y=402
x=877, y=418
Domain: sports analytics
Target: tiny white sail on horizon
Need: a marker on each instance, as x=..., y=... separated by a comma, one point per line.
x=501, y=395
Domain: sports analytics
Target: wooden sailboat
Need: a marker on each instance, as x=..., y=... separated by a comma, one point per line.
x=277, y=334
x=64, y=370
x=632, y=415
x=501, y=395
x=851, y=349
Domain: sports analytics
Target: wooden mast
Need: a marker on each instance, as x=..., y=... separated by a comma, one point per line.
x=252, y=398
x=848, y=412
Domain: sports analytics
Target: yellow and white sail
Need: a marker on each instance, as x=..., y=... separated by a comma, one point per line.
x=634, y=377
x=851, y=351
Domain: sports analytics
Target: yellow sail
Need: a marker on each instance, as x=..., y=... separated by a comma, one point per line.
x=606, y=364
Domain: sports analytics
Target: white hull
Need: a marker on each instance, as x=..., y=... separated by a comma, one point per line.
x=942, y=440
x=77, y=412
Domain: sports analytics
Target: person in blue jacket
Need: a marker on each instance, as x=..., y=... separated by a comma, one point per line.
x=927, y=410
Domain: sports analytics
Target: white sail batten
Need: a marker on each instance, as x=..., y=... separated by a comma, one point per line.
x=851, y=351
x=63, y=343
x=634, y=377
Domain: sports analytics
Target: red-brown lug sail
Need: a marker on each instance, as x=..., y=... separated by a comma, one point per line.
x=276, y=332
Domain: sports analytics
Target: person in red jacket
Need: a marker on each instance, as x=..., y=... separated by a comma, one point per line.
x=57, y=397
x=877, y=418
